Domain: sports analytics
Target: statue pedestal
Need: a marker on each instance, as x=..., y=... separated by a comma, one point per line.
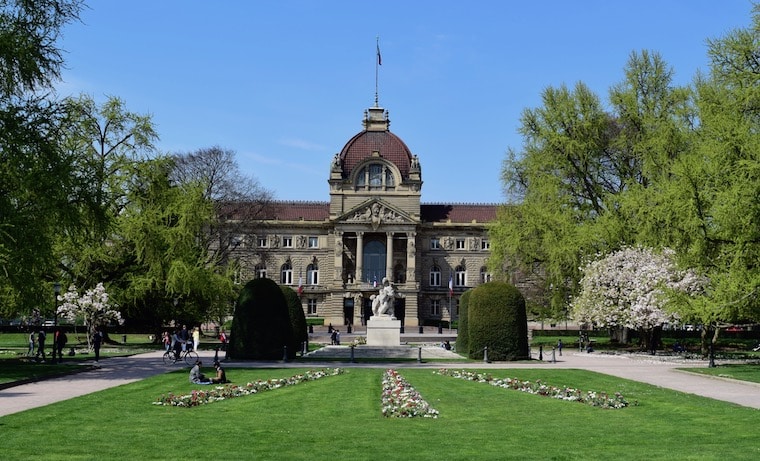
x=382, y=330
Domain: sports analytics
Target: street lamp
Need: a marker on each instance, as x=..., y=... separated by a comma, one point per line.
x=57, y=291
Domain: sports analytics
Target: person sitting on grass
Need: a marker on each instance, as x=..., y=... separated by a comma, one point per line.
x=196, y=377
x=221, y=376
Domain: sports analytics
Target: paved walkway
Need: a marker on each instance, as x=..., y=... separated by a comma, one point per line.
x=652, y=370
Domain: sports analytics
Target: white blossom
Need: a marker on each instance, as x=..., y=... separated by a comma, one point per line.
x=93, y=307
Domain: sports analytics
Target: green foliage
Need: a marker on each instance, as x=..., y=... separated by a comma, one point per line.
x=496, y=319
x=261, y=327
x=463, y=339
x=297, y=318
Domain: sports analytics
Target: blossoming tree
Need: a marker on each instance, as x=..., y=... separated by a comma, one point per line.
x=630, y=289
x=93, y=307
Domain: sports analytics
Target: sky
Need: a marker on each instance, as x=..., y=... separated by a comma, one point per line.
x=284, y=84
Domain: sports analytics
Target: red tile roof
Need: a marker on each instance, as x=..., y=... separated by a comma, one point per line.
x=390, y=146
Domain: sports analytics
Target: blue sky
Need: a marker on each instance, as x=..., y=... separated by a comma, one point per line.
x=284, y=84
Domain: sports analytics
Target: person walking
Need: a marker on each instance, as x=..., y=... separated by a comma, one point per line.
x=559, y=346
x=184, y=336
x=97, y=340
x=41, y=345
x=60, y=342
x=196, y=338
x=32, y=340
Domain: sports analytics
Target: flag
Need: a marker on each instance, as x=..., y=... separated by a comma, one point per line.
x=451, y=286
x=300, y=286
x=374, y=282
x=379, y=58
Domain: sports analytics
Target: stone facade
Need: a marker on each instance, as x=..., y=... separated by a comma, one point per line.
x=374, y=226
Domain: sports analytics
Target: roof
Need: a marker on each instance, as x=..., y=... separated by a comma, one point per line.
x=390, y=147
x=464, y=213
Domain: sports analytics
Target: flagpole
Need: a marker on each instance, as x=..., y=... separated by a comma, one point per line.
x=378, y=63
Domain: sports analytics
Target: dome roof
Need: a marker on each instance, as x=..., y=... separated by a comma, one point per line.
x=389, y=146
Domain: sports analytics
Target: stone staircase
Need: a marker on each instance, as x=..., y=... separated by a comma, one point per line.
x=425, y=352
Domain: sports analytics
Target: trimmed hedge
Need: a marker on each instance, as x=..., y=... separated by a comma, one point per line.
x=297, y=318
x=496, y=318
x=463, y=340
x=261, y=325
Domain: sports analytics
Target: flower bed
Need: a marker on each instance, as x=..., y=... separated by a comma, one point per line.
x=401, y=400
x=595, y=399
x=228, y=391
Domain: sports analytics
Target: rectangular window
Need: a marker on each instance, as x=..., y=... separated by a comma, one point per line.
x=460, y=279
x=485, y=244
x=435, y=278
x=311, y=306
x=237, y=240
x=313, y=242
x=261, y=242
x=312, y=276
x=435, y=307
x=287, y=241
x=460, y=244
x=435, y=243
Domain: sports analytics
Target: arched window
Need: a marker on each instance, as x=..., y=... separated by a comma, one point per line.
x=312, y=274
x=377, y=176
x=485, y=276
x=460, y=276
x=435, y=276
x=286, y=274
x=261, y=271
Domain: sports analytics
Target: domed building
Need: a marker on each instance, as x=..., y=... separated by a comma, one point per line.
x=337, y=253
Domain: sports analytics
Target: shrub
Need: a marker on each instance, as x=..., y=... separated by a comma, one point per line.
x=463, y=340
x=261, y=325
x=297, y=318
x=496, y=318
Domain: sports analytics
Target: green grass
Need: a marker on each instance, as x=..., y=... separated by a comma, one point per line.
x=339, y=418
x=743, y=372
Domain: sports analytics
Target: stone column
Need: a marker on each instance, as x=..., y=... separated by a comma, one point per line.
x=338, y=255
x=411, y=257
x=389, y=255
x=359, y=276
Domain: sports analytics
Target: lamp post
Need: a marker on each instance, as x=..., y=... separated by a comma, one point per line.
x=54, y=344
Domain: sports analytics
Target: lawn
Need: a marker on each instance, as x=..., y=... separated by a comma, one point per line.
x=743, y=372
x=339, y=417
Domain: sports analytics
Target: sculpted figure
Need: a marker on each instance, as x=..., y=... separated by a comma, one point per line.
x=382, y=302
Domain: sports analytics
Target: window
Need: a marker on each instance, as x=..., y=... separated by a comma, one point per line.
x=485, y=276
x=313, y=242
x=287, y=241
x=435, y=276
x=286, y=274
x=311, y=306
x=261, y=271
x=460, y=276
x=485, y=244
x=435, y=243
x=376, y=176
x=435, y=307
x=262, y=241
x=312, y=274
x=237, y=240
x=460, y=244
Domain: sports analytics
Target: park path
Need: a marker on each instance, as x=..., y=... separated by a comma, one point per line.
x=658, y=371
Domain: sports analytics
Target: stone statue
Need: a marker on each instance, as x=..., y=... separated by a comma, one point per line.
x=382, y=302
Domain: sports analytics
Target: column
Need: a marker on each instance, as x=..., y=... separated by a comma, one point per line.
x=411, y=257
x=359, y=256
x=339, y=255
x=389, y=255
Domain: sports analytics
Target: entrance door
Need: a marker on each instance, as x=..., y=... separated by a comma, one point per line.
x=348, y=311
x=374, y=262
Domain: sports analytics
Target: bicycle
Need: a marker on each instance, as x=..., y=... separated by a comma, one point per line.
x=188, y=355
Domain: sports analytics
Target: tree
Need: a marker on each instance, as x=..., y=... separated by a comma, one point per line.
x=297, y=318
x=93, y=307
x=631, y=289
x=579, y=183
x=35, y=177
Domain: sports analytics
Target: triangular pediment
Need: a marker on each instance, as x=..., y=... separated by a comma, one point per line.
x=375, y=212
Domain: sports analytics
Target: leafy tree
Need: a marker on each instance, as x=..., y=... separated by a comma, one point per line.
x=297, y=318
x=583, y=173
x=35, y=176
x=463, y=340
x=631, y=289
